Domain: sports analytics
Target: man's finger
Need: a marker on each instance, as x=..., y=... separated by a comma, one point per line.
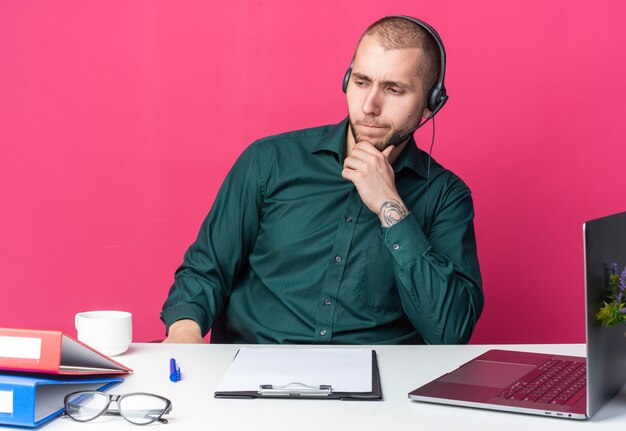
x=387, y=151
x=349, y=174
x=361, y=158
x=354, y=163
x=366, y=147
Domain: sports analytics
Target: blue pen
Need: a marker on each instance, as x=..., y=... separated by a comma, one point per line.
x=174, y=371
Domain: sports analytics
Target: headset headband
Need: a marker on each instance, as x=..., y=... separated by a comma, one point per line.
x=437, y=95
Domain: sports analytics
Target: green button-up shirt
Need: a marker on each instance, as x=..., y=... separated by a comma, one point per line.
x=290, y=254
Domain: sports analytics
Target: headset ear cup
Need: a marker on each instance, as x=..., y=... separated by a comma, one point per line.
x=437, y=98
x=433, y=98
x=346, y=79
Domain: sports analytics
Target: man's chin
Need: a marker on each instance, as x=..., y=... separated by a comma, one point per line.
x=380, y=142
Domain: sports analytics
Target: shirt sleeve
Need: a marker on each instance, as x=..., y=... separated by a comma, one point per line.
x=204, y=280
x=438, y=275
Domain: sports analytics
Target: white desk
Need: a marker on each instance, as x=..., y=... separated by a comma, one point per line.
x=402, y=369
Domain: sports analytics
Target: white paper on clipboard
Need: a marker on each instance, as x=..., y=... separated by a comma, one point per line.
x=346, y=370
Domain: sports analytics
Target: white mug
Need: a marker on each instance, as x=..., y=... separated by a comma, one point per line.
x=109, y=332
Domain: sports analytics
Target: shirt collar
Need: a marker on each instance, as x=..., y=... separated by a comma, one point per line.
x=411, y=157
x=334, y=140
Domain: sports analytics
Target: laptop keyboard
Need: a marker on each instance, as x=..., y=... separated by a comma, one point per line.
x=555, y=382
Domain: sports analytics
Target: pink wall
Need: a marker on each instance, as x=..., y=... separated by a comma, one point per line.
x=120, y=119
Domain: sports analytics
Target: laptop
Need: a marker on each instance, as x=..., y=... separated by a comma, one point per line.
x=551, y=385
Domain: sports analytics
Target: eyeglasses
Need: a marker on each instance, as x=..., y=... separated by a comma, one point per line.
x=137, y=408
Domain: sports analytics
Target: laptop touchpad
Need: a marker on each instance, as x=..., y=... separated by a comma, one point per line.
x=486, y=373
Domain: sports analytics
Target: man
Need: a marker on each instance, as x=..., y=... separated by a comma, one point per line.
x=325, y=235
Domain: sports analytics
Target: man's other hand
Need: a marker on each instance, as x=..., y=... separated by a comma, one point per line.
x=184, y=331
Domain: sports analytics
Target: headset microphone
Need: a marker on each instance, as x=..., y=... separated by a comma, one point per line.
x=397, y=138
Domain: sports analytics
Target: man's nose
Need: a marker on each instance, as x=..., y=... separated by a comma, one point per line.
x=372, y=103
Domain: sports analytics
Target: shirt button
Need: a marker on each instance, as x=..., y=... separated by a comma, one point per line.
x=396, y=246
x=323, y=332
x=327, y=301
x=338, y=259
x=348, y=219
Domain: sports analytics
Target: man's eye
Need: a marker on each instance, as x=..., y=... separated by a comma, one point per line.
x=394, y=91
x=359, y=83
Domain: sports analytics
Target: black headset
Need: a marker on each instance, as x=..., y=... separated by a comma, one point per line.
x=437, y=96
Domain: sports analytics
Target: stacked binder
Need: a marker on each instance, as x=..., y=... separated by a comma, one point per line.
x=38, y=368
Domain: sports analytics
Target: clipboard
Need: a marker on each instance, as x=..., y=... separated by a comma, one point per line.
x=304, y=390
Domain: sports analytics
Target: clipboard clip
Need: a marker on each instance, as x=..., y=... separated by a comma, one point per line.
x=295, y=389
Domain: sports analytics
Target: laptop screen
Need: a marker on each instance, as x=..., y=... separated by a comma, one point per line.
x=604, y=244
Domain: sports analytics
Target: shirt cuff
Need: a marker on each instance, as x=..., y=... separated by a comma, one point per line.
x=405, y=240
x=185, y=311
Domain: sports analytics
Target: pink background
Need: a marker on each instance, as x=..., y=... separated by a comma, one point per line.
x=119, y=120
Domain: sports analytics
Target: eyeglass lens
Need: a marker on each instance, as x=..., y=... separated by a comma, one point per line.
x=142, y=409
x=85, y=406
x=138, y=409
